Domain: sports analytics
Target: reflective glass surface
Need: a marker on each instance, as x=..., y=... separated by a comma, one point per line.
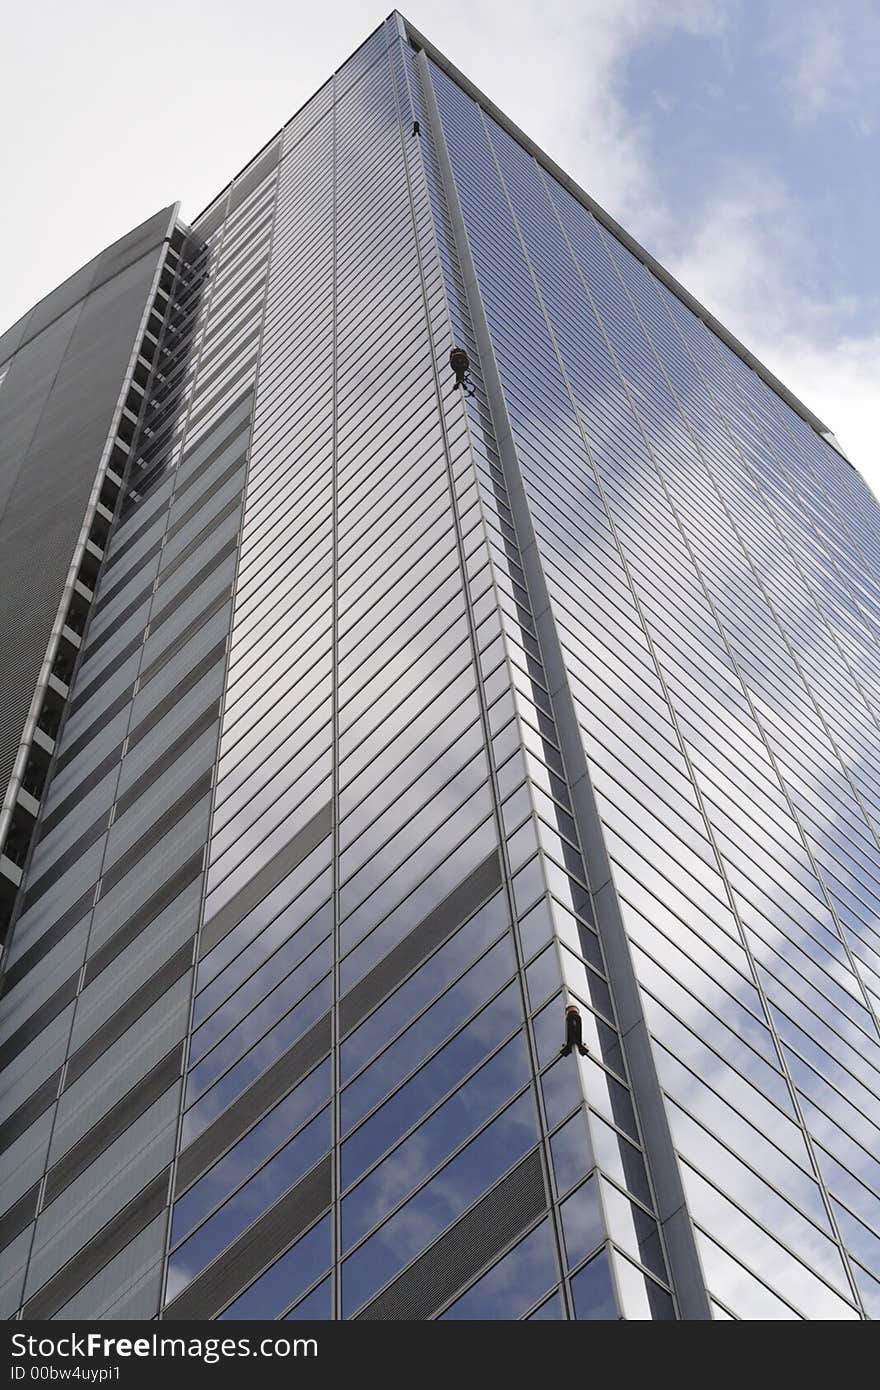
x=409, y=718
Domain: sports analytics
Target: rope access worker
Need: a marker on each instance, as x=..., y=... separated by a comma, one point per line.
x=574, y=1036
x=460, y=364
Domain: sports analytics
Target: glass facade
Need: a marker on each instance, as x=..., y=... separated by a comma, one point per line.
x=404, y=719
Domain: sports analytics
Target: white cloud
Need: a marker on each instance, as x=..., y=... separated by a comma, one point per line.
x=827, y=61
x=558, y=70
x=816, y=77
x=558, y=74
x=748, y=255
x=750, y=261
x=840, y=380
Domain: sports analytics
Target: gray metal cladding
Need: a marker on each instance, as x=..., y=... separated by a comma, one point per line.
x=64, y=895
x=16, y=1217
x=257, y=171
x=182, y=667
x=125, y=1063
x=151, y=819
x=169, y=644
x=97, y=742
x=94, y=1196
x=20, y=1157
x=128, y=969
x=176, y=896
x=21, y=1116
x=102, y=682
x=42, y=882
x=163, y=860
x=115, y=587
x=14, y=1269
x=192, y=543
x=56, y=408
x=148, y=718
x=141, y=730
x=29, y=951
x=27, y=993
x=104, y=624
x=38, y=1018
x=61, y=800
x=91, y=802
x=105, y=696
x=219, y=569
x=113, y=1237
x=136, y=538
x=75, y=920
x=105, y=644
x=185, y=750
x=128, y=1286
x=141, y=998
x=115, y=1122
x=35, y=1066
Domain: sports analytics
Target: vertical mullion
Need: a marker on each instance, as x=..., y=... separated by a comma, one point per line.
x=335, y=1177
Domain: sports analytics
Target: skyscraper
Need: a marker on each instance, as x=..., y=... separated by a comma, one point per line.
x=359, y=725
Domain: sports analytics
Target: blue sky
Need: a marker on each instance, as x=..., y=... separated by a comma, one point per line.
x=791, y=95
x=736, y=139
x=749, y=91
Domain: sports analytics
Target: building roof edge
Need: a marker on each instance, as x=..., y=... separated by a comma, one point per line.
x=622, y=235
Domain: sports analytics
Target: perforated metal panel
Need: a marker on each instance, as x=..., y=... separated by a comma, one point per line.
x=462, y=1252
x=256, y=1249
x=271, y=874
x=112, y=1238
x=135, y=1005
x=420, y=942
x=114, y=1122
x=274, y=1083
